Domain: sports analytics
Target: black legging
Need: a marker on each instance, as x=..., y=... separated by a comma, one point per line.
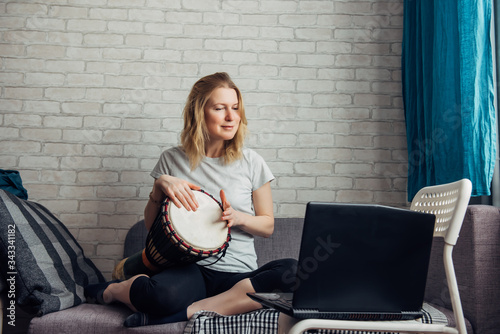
x=175, y=289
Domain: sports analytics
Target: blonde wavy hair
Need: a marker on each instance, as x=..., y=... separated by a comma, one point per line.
x=195, y=133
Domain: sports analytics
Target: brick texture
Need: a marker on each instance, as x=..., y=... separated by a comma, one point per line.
x=92, y=92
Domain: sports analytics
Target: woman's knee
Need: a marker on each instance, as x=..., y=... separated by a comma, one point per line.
x=278, y=275
x=289, y=263
x=286, y=266
x=288, y=275
x=167, y=292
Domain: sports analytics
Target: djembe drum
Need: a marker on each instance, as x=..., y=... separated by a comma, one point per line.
x=179, y=237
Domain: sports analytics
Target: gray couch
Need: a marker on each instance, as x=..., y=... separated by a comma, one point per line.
x=476, y=257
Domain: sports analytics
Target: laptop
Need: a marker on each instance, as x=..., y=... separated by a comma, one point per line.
x=358, y=262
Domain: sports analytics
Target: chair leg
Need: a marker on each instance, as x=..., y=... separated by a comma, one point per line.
x=453, y=287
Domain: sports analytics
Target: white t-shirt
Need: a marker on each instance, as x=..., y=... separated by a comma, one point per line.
x=238, y=180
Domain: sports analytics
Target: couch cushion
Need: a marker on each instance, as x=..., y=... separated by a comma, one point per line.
x=450, y=318
x=283, y=243
x=44, y=260
x=96, y=319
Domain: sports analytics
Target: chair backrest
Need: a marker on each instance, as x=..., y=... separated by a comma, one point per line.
x=448, y=202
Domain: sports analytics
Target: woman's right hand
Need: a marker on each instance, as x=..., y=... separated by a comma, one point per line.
x=177, y=190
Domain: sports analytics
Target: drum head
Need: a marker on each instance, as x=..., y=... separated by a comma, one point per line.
x=202, y=229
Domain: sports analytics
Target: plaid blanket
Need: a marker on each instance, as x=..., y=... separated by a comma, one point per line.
x=257, y=322
x=265, y=321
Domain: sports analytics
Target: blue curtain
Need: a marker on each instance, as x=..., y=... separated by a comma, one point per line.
x=448, y=92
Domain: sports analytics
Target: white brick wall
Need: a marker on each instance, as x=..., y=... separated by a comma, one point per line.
x=92, y=92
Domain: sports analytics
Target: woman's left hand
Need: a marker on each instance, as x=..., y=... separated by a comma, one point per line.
x=262, y=223
x=233, y=217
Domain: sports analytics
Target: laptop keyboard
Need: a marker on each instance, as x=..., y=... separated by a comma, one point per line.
x=284, y=302
x=278, y=299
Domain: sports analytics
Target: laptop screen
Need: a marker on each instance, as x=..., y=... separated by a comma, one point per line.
x=363, y=258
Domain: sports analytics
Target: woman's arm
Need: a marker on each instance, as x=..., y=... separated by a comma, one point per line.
x=262, y=224
x=179, y=192
x=152, y=209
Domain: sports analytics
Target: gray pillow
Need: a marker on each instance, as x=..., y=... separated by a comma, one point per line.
x=41, y=257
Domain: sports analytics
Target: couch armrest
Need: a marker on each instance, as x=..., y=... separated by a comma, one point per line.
x=476, y=258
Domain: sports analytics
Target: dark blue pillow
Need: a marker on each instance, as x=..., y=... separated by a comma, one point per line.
x=10, y=180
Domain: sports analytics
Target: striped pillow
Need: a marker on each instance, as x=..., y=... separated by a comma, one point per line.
x=42, y=258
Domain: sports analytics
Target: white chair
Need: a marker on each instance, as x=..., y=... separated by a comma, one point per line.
x=449, y=203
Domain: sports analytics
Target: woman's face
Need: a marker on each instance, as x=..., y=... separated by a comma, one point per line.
x=222, y=116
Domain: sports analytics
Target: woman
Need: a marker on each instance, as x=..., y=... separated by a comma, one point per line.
x=212, y=157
